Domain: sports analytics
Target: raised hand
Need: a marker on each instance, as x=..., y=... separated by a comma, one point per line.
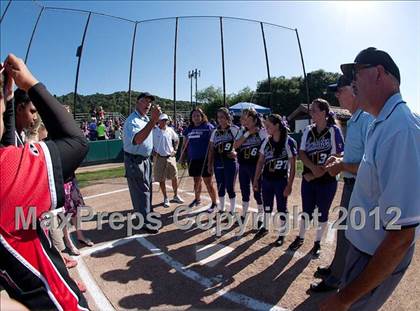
x=16, y=69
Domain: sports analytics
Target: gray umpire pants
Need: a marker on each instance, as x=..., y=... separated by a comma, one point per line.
x=356, y=262
x=339, y=260
x=138, y=171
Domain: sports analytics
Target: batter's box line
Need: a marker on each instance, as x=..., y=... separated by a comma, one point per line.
x=104, y=304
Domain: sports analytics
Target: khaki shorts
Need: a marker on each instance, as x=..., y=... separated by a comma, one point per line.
x=164, y=168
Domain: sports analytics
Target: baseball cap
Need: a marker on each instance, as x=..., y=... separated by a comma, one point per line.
x=163, y=116
x=145, y=94
x=373, y=57
x=341, y=82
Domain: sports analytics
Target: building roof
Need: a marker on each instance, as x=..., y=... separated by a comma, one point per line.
x=301, y=112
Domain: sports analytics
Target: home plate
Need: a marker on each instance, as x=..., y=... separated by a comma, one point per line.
x=211, y=254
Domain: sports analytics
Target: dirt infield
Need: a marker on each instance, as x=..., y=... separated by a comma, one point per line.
x=194, y=269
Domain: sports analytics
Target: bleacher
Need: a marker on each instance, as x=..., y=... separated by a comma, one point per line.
x=80, y=117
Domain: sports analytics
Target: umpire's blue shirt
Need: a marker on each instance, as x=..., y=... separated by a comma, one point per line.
x=388, y=176
x=354, y=146
x=134, y=124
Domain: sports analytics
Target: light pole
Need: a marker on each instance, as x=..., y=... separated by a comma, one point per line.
x=190, y=76
x=193, y=74
x=196, y=76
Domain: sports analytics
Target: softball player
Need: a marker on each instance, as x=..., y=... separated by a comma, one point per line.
x=319, y=141
x=248, y=145
x=222, y=158
x=277, y=163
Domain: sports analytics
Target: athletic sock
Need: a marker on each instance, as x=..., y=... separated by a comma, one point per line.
x=232, y=205
x=320, y=231
x=245, y=206
x=302, y=229
x=222, y=204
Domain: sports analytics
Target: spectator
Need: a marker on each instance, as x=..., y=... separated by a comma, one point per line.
x=93, y=134
x=101, y=130
x=84, y=128
x=109, y=129
x=25, y=115
x=117, y=131
x=47, y=280
x=100, y=114
x=165, y=146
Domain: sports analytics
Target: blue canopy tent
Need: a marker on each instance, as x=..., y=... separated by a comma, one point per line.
x=237, y=108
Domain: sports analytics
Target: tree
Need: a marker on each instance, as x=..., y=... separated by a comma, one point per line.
x=212, y=99
x=285, y=95
x=288, y=94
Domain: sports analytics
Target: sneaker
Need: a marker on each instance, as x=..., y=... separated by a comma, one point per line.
x=194, y=203
x=279, y=241
x=146, y=229
x=316, y=250
x=212, y=208
x=322, y=287
x=322, y=272
x=261, y=232
x=166, y=202
x=177, y=199
x=296, y=244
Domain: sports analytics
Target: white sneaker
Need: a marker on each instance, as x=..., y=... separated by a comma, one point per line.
x=166, y=202
x=177, y=199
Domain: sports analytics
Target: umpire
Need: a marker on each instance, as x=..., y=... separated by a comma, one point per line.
x=387, y=183
x=138, y=145
x=348, y=164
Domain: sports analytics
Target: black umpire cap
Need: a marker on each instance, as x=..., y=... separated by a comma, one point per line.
x=342, y=81
x=145, y=94
x=372, y=57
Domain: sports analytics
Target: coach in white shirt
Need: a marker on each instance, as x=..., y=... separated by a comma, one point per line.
x=165, y=145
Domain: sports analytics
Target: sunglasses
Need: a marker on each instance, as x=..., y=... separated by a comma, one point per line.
x=358, y=67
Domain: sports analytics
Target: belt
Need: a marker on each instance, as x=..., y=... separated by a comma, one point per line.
x=136, y=156
x=161, y=156
x=349, y=181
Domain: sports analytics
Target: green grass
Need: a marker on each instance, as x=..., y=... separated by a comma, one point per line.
x=299, y=168
x=90, y=178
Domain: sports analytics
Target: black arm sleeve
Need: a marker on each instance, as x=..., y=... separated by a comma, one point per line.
x=8, y=138
x=62, y=129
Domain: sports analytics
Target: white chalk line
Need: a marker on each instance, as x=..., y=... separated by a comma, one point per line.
x=105, y=193
x=331, y=232
x=101, y=301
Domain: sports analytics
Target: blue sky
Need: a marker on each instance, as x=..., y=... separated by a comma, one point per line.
x=330, y=32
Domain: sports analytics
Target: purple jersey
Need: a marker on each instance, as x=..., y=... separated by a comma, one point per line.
x=248, y=151
x=198, y=140
x=276, y=157
x=319, y=146
x=223, y=141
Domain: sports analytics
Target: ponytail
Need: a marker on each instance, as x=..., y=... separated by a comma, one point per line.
x=323, y=105
x=277, y=120
x=331, y=119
